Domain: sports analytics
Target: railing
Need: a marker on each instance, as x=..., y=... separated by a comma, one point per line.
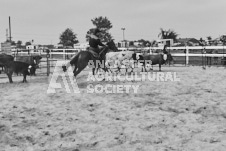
x=175, y=51
x=177, y=48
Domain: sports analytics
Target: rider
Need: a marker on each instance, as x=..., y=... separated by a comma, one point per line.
x=94, y=41
x=164, y=49
x=165, y=52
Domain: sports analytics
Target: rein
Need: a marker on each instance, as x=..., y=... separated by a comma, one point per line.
x=102, y=51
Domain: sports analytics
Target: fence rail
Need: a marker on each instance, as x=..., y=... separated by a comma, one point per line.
x=178, y=48
x=186, y=52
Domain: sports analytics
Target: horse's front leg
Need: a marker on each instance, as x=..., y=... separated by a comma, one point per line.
x=132, y=69
x=94, y=71
x=142, y=67
x=105, y=68
x=74, y=70
x=145, y=69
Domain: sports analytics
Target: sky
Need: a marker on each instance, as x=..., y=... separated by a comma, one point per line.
x=44, y=20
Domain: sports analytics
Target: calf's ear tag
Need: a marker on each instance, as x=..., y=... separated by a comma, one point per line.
x=29, y=67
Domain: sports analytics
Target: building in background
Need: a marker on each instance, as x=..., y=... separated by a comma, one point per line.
x=163, y=42
x=187, y=42
x=6, y=48
x=32, y=47
x=124, y=44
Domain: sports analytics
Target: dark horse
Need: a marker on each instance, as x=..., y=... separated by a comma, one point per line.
x=81, y=60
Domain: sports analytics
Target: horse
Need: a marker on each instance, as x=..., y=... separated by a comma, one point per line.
x=31, y=60
x=83, y=58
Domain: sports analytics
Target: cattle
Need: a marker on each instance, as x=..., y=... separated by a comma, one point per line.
x=153, y=59
x=31, y=60
x=19, y=67
x=4, y=59
x=117, y=59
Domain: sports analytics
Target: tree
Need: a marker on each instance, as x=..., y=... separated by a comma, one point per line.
x=223, y=39
x=202, y=42
x=19, y=43
x=154, y=43
x=12, y=42
x=104, y=25
x=27, y=43
x=145, y=43
x=68, y=38
x=209, y=38
x=50, y=46
x=168, y=34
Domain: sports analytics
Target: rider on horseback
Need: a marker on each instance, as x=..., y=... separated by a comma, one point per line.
x=94, y=42
x=165, y=49
x=165, y=52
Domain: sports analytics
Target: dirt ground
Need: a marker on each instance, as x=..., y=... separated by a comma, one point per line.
x=185, y=115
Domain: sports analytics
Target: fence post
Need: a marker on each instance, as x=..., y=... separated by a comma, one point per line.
x=64, y=54
x=28, y=51
x=50, y=53
x=47, y=61
x=224, y=58
x=187, y=56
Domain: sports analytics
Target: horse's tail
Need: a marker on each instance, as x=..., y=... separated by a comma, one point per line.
x=74, y=59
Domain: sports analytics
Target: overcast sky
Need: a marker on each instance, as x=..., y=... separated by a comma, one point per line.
x=45, y=20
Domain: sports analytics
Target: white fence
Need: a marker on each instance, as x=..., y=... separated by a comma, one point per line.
x=186, y=49
x=70, y=52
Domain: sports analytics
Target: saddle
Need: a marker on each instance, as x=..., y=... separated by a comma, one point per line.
x=94, y=54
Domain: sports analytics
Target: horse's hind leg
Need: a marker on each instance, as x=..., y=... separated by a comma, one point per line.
x=94, y=70
x=142, y=67
x=77, y=71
